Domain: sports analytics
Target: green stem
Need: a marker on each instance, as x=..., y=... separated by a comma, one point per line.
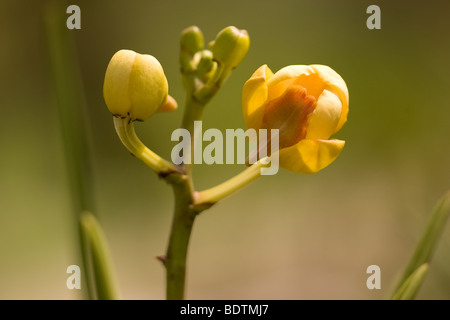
x=176, y=256
x=185, y=208
x=125, y=131
x=184, y=215
x=193, y=112
x=214, y=194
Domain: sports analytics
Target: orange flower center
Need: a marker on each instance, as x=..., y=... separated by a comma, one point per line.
x=290, y=114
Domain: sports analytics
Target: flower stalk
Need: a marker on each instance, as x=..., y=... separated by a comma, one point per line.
x=219, y=192
x=177, y=250
x=184, y=215
x=125, y=130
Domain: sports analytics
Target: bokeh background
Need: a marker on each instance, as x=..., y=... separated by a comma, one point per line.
x=287, y=236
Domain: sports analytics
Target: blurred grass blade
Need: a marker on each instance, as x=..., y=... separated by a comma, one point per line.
x=72, y=112
x=71, y=104
x=429, y=240
x=411, y=286
x=100, y=261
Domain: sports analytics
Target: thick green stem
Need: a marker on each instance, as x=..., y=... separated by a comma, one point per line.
x=193, y=112
x=176, y=256
x=185, y=207
x=184, y=215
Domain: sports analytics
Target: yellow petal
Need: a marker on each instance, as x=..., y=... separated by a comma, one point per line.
x=286, y=77
x=254, y=95
x=335, y=84
x=310, y=156
x=148, y=87
x=115, y=87
x=325, y=118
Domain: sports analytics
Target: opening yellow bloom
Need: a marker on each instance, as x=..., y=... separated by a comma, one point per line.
x=307, y=104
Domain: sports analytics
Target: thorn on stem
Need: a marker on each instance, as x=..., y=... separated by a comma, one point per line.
x=162, y=259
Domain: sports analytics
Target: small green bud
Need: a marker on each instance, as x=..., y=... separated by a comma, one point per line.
x=191, y=40
x=135, y=85
x=231, y=46
x=205, y=63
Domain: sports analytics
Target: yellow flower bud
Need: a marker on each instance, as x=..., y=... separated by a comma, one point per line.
x=135, y=85
x=307, y=104
x=231, y=46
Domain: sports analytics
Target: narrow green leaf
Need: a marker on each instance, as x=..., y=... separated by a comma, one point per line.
x=429, y=240
x=100, y=261
x=411, y=286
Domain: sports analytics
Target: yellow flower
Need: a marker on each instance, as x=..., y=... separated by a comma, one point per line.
x=308, y=104
x=135, y=86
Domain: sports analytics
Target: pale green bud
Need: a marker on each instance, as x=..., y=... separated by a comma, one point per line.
x=231, y=46
x=191, y=40
x=205, y=63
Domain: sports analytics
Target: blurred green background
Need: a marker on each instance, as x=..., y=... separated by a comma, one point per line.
x=287, y=236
